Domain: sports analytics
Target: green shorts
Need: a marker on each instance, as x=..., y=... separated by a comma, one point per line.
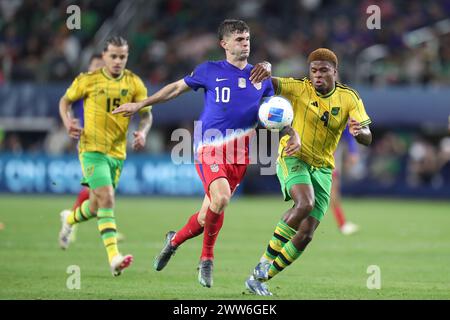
x=100, y=170
x=292, y=170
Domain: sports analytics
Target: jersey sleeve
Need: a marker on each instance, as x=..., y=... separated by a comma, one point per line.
x=289, y=87
x=351, y=143
x=268, y=90
x=145, y=110
x=197, y=79
x=141, y=94
x=141, y=90
x=358, y=112
x=77, y=89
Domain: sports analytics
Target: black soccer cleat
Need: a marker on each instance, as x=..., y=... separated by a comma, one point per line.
x=205, y=273
x=166, y=253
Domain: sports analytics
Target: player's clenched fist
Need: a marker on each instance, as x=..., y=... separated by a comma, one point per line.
x=139, y=141
x=73, y=129
x=354, y=127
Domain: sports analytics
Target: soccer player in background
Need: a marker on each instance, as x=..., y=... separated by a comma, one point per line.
x=102, y=145
x=348, y=155
x=322, y=109
x=231, y=102
x=95, y=62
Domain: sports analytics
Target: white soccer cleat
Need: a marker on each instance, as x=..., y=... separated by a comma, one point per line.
x=119, y=263
x=349, y=228
x=66, y=230
x=257, y=287
x=73, y=235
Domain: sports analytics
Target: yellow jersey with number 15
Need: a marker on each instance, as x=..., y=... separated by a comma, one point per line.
x=103, y=131
x=320, y=119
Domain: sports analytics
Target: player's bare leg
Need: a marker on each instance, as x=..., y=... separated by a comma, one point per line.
x=220, y=195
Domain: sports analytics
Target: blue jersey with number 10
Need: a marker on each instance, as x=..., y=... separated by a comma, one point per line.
x=231, y=101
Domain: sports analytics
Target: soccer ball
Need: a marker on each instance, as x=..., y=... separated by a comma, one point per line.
x=275, y=113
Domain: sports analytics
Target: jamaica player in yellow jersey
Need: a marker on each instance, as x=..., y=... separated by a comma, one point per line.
x=102, y=145
x=322, y=109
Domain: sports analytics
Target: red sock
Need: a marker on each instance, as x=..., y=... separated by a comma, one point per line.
x=190, y=230
x=83, y=195
x=213, y=224
x=339, y=216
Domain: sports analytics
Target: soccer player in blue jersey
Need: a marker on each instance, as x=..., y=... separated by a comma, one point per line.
x=231, y=102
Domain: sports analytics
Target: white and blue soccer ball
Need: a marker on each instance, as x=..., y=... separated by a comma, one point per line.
x=275, y=113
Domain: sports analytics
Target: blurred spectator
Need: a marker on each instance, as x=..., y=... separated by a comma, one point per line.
x=386, y=159
x=444, y=159
x=2, y=139
x=36, y=45
x=58, y=142
x=423, y=164
x=56, y=61
x=13, y=144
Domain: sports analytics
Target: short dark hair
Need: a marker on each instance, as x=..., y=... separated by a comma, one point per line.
x=323, y=54
x=95, y=56
x=116, y=41
x=229, y=26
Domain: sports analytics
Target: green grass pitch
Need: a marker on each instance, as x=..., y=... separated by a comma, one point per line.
x=409, y=240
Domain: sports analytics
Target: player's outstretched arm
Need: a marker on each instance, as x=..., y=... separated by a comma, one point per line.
x=140, y=135
x=169, y=92
x=293, y=144
x=361, y=134
x=72, y=125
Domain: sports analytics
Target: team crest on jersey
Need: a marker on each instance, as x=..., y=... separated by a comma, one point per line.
x=124, y=92
x=258, y=85
x=90, y=171
x=214, y=168
x=335, y=111
x=242, y=83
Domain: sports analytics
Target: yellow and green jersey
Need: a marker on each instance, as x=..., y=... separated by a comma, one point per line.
x=104, y=132
x=320, y=119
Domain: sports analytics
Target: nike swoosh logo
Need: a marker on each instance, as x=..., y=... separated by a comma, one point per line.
x=222, y=79
x=212, y=234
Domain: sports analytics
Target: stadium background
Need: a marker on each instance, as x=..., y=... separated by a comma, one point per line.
x=402, y=72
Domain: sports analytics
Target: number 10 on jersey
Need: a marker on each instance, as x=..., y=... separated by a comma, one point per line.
x=222, y=94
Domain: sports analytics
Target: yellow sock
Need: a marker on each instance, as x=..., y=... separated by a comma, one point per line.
x=80, y=214
x=107, y=227
x=287, y=255
x=282, y=234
